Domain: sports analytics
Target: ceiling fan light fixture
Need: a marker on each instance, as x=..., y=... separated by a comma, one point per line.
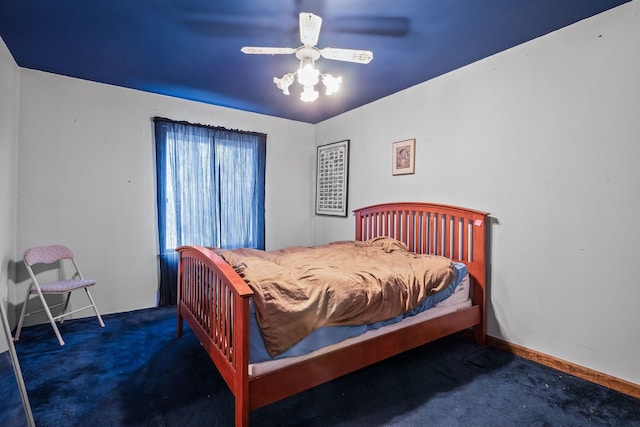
x=307, y=54
x=331, y=84
x=309, y=94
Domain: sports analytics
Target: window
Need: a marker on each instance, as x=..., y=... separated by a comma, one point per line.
x=210, y=190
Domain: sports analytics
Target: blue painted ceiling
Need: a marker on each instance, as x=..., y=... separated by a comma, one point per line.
x=191, y=48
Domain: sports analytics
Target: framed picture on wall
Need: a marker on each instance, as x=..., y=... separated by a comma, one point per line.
x=332, y=176
x=404, y=157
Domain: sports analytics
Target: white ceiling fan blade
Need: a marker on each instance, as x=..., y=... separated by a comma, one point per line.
x=348, y=55
x=251, y=50
x=310, y=29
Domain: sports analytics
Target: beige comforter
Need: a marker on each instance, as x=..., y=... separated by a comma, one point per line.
x=299, y=289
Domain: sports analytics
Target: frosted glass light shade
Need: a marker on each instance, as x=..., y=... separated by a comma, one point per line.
x=307, y=74
x=309, y=94
x=332, y=84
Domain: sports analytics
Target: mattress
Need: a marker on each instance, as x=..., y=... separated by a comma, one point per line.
x=458, y=300
x=330, y=335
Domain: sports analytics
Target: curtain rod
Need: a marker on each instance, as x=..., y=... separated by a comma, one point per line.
x=221, y=128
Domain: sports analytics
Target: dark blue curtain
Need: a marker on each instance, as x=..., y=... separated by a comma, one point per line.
x=210, y=189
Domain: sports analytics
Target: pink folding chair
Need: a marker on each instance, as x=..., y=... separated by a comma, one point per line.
x=49, y=255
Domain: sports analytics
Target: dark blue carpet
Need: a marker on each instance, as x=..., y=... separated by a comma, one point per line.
x=135, y=372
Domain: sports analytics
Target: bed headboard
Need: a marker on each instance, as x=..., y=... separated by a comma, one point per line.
x=430, y=228
x=426, y=228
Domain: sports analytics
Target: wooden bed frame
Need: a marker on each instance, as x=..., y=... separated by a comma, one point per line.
x=214, y=301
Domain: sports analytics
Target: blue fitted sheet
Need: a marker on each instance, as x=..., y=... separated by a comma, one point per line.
x=328, y=335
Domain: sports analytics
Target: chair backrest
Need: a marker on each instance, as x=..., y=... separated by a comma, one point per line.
x=47, y=254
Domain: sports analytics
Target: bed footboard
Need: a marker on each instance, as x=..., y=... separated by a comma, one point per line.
x=214, y=301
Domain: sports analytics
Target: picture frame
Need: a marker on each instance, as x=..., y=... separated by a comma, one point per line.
x=404, y=157
x=332, y=178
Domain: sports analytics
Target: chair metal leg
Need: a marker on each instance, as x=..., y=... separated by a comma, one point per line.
x=22, y=314
x=51, y=320
x=93, y=304
x=64, y=308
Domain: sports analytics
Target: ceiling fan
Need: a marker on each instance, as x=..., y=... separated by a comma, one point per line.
x=307, y=54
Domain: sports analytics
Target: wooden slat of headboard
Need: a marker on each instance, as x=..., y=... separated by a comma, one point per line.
x=456, y=224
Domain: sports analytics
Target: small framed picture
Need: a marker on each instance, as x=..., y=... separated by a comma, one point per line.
x=404, y=157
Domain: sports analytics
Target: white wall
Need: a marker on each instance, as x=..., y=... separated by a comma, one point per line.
x=546, y=137
x=9, y=80
x=86, y=178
